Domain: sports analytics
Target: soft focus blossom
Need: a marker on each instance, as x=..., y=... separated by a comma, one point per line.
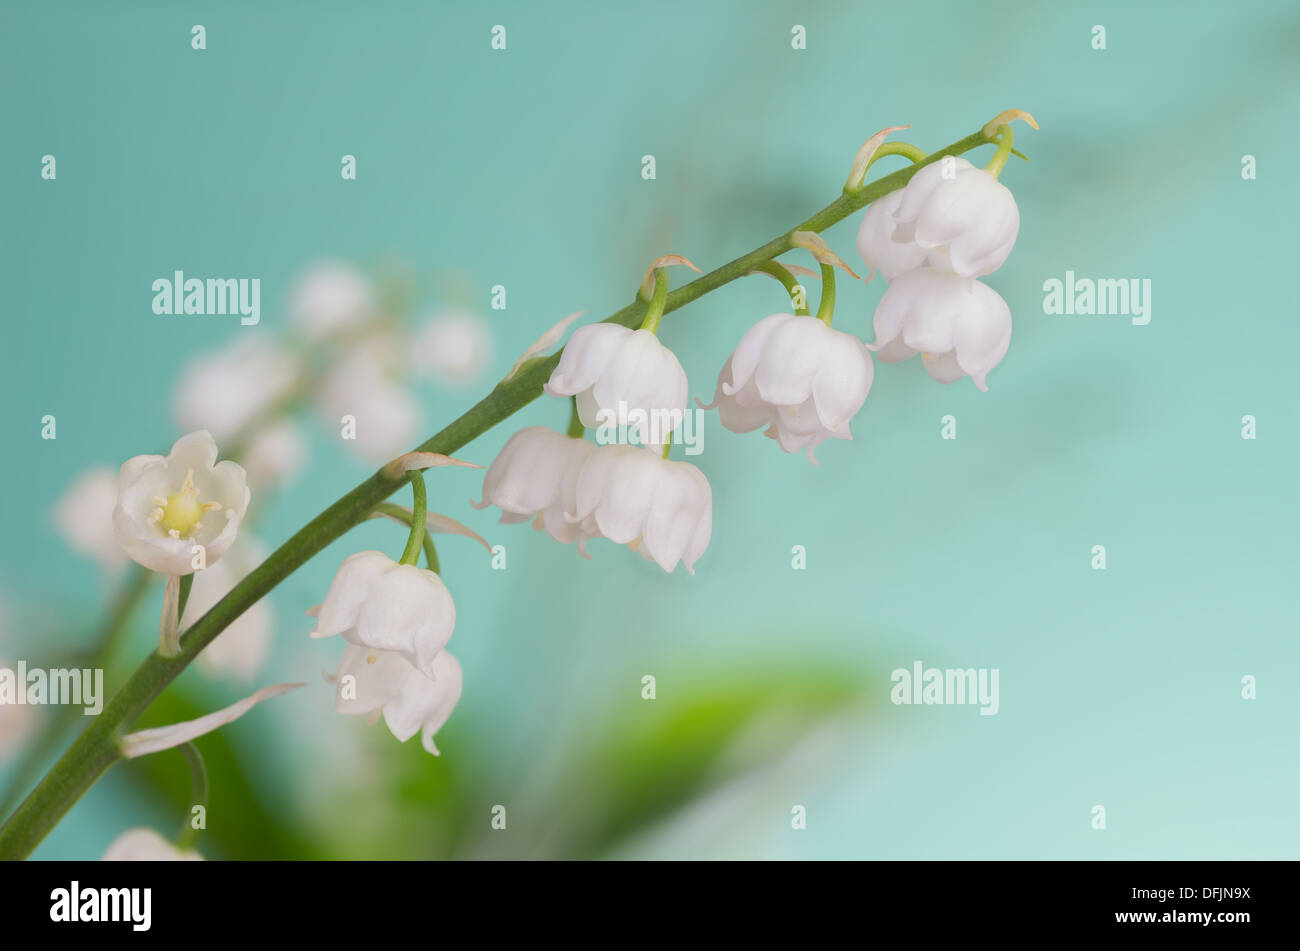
x=375, y=602
x=801, y=378
x=635, y=497
x=146, y=845
x=242, y=648
x=331, y=298
x=84, y=517
x=370, y=680
x=274, y=454
x=624, y=377
x=225, y=391
x=535, y=476
x=362, y=385
x=167, y=505
x=959, y=325
x=451, y=347
x=961, y=214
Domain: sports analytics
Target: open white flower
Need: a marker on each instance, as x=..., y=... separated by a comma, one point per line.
x=451, y=347
x=960, y=325
x=535, y=476
x=623, y=377
x=961, y=214
x=802, y=379
x=876, y=243
x=228, y=389
x=362, y=385
x=635, y=497
x=377, y=603
x=168, y=504
x=84, y=516
x=146, y=845
x=242, y=648
x=330, y=298
x=369, y=681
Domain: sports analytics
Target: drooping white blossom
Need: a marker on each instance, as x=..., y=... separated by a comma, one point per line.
x=802, y=379
x=84, y=517
x=226, y=390
x=146, y=845
x=274, y=454
x=167, y=505
x=960, y=214
x=535, y=477
x=451, y=347
x=374, y=602
x=659, y=507
x=370, y=680
x=242, y=648
x=362, y=386
x=876, y=243
x=961, y=326
x=331, y=298
x=622, y=377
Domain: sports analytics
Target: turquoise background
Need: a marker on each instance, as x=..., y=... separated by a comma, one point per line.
x=1118, y=687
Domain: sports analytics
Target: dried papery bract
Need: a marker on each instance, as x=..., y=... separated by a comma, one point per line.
x=550, y=338
x=143, y=742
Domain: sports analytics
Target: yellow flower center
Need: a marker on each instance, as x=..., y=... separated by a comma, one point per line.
x=179, y=514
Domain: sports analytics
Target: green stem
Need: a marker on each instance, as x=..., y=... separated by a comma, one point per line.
x=655, y=311
x=183, y=597
x=198, y=794
x=792, y=286
x=419, y=511
x=905, y=149
x=1005, y=139
x=576, y=428
x=96, y=750
x=826, y=307
x=404, y=516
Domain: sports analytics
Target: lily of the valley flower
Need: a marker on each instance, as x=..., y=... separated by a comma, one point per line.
x=168, y=505
x=801, y=378
x=84, y=516
x=451, y=347
x=960, y=214
x=876, y=241
x=242, y=648
x=960, y=325
x=274, y=454
x=362, y=386
x=635, y=497
x=376, y=603
x=370, y=681
x=226, y=390
x=535, y=477
x=146, y=845
x=331, y=298
x=623, y=377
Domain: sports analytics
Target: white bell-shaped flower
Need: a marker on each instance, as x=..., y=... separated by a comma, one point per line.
x=228, y=389
x=801, y=378
x=535, y=477
x=242, y=648
x=622, y=377
x=377, y=603
x=876, y=243
x=659, y=507
x=961, y=326
x=331, y=298
x=84, y=516
x=369, y=681
x=961, y=214
x=166, y=505
x=451, y=347
x=146, y=845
